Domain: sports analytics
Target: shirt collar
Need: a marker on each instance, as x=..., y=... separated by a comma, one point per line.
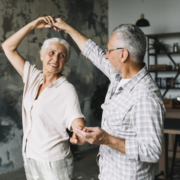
x=133, y=81
x=58, y=82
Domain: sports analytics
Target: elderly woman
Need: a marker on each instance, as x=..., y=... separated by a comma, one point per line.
x=50, y=106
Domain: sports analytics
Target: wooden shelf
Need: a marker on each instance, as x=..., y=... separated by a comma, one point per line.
x=163, y=35
x=153, y=54
x=164, y=70
x=169, y=88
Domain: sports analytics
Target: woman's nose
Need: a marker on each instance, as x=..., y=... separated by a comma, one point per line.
x=55, y=57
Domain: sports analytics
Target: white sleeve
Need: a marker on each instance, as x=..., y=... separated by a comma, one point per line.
x=73, y=108
x=30, y=72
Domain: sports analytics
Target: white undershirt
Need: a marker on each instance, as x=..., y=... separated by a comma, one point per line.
x=121, y=83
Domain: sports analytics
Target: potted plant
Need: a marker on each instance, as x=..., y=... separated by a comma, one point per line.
x=158, y=45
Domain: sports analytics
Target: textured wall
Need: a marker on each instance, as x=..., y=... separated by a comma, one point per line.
x=87, y=16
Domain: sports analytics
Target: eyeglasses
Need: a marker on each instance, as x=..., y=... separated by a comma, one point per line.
x=109, y=50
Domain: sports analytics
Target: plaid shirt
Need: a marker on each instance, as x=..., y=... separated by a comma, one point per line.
x=135, y=113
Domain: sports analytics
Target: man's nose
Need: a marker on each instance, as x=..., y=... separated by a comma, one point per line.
x=107, y=55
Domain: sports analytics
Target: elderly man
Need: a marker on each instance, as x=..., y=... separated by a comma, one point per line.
x=132, y=123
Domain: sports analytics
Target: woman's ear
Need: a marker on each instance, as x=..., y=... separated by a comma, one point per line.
x=41, y=57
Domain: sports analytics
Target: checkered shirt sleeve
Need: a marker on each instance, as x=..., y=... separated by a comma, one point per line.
x=97, y=56
x=148, y=124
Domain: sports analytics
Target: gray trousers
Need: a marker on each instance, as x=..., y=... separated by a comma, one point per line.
x=57, y=170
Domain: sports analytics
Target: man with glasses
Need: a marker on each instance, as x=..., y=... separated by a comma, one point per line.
x=131, y=134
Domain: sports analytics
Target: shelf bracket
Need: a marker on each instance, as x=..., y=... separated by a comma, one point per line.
x=177, y=75
x=165, y=92
x=170, y=57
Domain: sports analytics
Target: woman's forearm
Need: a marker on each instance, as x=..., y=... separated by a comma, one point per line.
x=11, y=44
x=10, y=48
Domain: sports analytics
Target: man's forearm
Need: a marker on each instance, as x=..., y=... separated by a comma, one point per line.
x=116, y=143
x=79, y=39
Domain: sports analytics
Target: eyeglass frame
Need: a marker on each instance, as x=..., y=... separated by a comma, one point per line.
x=109, y=50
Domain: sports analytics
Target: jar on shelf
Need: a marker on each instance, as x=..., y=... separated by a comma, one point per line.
x=175, y=47
x=176, y=67
x=172, y=82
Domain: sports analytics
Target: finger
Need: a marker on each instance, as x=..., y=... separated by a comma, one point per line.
x=90, y=129
x=45, y=20
x=54, y=28
x=80, y=133
x=84, y=129
x=79, y=127
x=48, y=20
x=73, y=140
x=84, y=135
x=47, y=26
x=51, y=19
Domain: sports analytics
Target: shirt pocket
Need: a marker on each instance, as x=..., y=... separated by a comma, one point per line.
x=120, y=120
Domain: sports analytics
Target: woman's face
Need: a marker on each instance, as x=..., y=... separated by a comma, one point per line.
x=54, y=58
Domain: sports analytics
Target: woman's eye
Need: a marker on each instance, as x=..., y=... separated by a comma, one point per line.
x=51, y=52
x=62, y=55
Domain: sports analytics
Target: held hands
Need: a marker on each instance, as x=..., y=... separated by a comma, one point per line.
x=93, y=135
x=48, y=22
x=43, y=22
x=76, y=139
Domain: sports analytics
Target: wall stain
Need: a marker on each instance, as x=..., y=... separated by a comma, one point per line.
x=6, y=166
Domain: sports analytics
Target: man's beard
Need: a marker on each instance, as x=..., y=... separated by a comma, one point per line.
x=116, y=69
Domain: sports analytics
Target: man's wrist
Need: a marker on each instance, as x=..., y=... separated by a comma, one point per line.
x=108, y=140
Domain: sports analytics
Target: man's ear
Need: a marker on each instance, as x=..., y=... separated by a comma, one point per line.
x=124, y=54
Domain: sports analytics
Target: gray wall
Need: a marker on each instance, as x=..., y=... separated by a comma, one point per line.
x=87, y=16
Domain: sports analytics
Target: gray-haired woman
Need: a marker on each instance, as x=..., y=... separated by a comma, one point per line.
x=50, y=106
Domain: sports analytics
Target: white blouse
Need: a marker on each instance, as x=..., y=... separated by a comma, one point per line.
x=46, y=119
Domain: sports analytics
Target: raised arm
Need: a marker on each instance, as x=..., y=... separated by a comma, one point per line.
x=89, y=49
x=77, y=36
x=11, y=44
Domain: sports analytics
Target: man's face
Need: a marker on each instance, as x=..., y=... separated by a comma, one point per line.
x=112, y=56
x=54, y=58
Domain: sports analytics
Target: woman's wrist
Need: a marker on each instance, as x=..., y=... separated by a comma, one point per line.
x=31, y=25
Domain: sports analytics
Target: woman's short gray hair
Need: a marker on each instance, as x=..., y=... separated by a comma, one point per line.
x=133, y=39
x=47, y=42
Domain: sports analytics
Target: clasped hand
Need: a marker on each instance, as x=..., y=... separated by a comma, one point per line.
x=48, y=22
x=92, y=135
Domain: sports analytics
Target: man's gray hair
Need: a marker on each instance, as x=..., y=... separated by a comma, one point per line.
x=133, y=39
x=47, y=42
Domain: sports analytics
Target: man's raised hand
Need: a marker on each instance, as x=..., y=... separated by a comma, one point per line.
x=59, y=25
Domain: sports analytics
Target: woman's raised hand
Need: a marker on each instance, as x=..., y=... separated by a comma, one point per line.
x=43, y=22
